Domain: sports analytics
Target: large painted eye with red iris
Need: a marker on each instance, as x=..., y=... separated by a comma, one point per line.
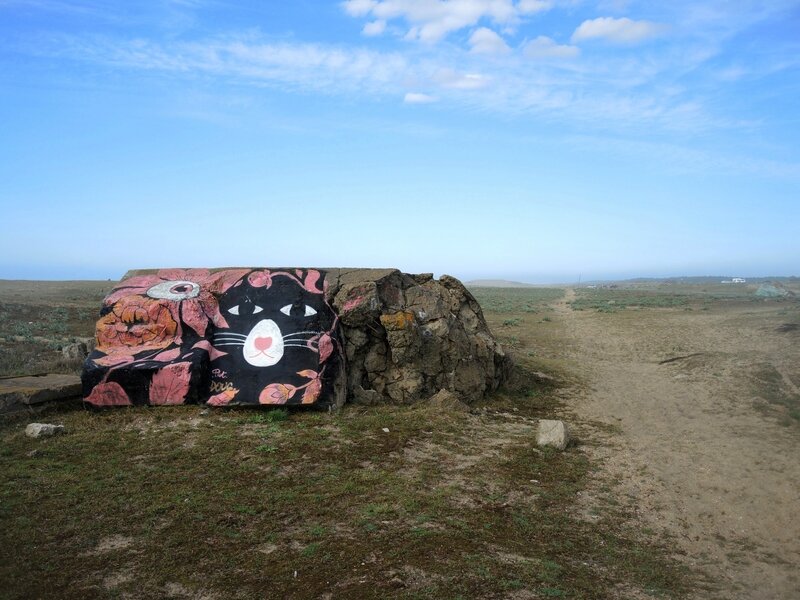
x=174, y=290
x=298, y=310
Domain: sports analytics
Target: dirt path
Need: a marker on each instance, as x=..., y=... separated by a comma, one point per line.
x=694, y=455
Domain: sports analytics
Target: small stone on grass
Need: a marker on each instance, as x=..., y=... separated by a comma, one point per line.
x=37, y=430
x=552, y=433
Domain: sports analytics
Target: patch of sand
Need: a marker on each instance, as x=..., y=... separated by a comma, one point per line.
x=695, y=457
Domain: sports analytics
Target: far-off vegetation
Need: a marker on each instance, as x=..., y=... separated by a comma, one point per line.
x=516, y=300
x=37, y=319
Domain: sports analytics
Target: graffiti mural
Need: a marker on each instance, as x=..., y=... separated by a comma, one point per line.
x=229, y=337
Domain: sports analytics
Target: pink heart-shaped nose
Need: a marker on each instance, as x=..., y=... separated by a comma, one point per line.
x=263, y=343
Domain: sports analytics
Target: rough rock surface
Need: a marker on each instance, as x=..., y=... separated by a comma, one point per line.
x=75, y=351
x=37, y=430
x=409, y=336
x=554, y=434
x=446, y=400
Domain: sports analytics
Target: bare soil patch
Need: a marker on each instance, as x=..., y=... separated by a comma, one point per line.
x=704, y=404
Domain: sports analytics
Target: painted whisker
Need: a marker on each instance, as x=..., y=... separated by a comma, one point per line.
x=296, y=333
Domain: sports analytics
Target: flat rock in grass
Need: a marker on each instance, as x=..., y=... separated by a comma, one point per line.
x=447, y=400
x=553, y=434
x=39, y=430
x=15, y=392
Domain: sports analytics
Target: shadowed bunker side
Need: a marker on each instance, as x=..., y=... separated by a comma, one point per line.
x=289, y=336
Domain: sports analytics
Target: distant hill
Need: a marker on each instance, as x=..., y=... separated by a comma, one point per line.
x=497, y=283
x=708, y=279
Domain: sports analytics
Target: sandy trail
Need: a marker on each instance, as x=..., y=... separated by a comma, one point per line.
x=695, y=457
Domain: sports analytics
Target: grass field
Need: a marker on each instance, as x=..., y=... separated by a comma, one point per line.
x=38, y=318
x=185, y=502
x=297, y=505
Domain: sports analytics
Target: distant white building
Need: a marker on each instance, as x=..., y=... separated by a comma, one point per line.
x=738, y=280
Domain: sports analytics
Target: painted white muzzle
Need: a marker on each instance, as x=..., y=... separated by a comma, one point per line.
x=264, y=344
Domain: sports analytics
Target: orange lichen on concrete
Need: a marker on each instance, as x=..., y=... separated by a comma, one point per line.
x=400, y=320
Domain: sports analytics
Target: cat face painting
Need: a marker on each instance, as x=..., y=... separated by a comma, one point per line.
x=237, y=336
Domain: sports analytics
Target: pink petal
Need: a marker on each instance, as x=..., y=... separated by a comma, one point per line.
x=310, y=282
x=170, y=384
x=222, y=398
x=108, y=394
x=211, y=309
x=308, y=373
x=168, y=355
x=194, y=316
x=221, y=281
x=112, y=360
x=195, y=275
x=260, y=279
x=276, y=393
x=311, y=393
x=325, y=347
x=213, y=353
x=129, y=287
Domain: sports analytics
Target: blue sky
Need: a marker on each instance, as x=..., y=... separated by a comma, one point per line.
x=534, y=140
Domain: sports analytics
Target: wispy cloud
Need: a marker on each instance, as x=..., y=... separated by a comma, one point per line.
x=597, y=87
x=545, y=47
x=623, y=30
x=554, y=89
x=418, y=98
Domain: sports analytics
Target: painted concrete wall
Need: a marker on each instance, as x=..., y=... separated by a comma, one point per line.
x=225, y=337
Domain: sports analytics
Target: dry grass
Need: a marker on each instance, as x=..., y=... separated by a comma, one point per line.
x=185, y=502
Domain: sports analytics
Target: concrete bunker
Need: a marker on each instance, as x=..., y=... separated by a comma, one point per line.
x=289, y=336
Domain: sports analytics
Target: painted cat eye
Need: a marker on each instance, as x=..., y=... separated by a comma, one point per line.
x=234, y=310
x=287, y=310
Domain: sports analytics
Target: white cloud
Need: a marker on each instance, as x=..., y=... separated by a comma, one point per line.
x=528, y=7
x=358, y=8
x=622, y=30
x=417, y=98
x=450, y=79
x=545, y=47
x=486, y=41
x=374, y=28
x=432, y=20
